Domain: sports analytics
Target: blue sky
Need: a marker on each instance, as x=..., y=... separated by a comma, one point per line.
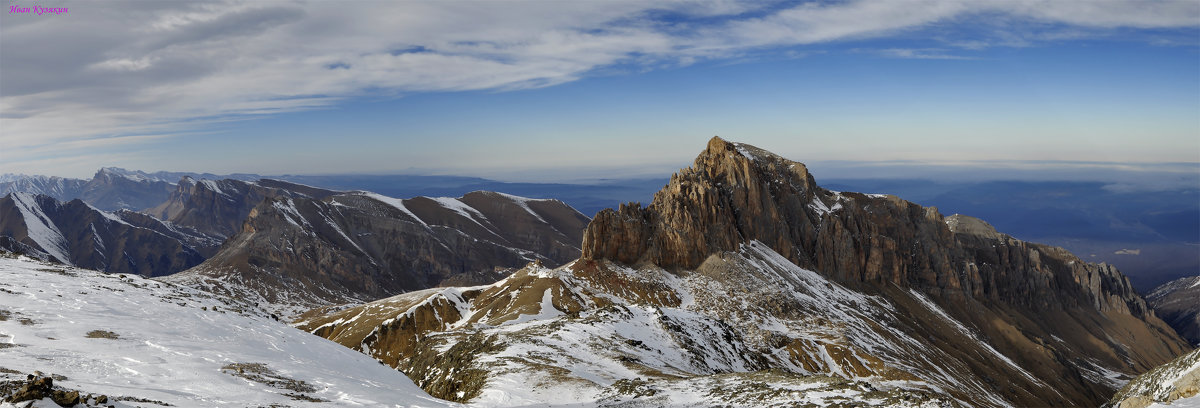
x=567, y=90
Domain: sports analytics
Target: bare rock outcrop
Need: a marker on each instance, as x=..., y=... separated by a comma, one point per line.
x=1017, y=294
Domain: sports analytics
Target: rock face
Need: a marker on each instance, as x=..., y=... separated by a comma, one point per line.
x=1178, y=303
x=298, y=253
x=76, y=233
x=218, y=207
x=1038, y=305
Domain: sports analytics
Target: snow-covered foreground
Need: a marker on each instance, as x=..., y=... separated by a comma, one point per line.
x=1193, y=402
x=140, y=338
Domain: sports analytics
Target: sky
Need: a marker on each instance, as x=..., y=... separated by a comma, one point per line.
x=565, y=90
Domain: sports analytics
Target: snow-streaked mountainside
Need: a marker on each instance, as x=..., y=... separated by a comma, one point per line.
x=130, y=338
x=1178, y=303
x=1174, y=384
x=608, y=335
x=57, y=187
x=218, y=207
x=293, y=253
x=76, y=233
x=743, y=271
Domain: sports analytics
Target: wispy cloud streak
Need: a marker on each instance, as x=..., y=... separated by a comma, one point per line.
x=122, y=69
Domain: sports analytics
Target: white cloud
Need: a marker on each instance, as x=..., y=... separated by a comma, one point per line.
x=118, y=69
x=917, y=53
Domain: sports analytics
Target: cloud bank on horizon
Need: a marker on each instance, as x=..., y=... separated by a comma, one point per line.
x=109, y=74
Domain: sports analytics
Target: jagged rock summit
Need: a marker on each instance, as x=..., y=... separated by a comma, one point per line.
x=736, y=193
x=743, y=271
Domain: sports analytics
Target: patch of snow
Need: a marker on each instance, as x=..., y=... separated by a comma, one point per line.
x=291, y=213
x=212, y=185
x=546, y=310
x=453, y=204
x=1103, y=375
x=394, y=202
x=110, y=216
x=524, y=203
x=1190, y=402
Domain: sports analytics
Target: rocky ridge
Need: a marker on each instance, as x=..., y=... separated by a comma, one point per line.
x=75, y=233
x=743, y=264
x=1019, y=295
x=294, y=253
x=219, y=207
x=747, y=326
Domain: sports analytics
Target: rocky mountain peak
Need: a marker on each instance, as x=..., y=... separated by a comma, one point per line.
x=736, y=194
x=732, y=194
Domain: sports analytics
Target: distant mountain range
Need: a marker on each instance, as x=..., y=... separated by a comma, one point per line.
x=115, y=189
x=1153, y=236
x=110, y=189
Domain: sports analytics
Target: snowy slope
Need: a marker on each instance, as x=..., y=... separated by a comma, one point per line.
x=647, y=337
x=1192, y=402
x=175, y=345
x=1173, y=384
